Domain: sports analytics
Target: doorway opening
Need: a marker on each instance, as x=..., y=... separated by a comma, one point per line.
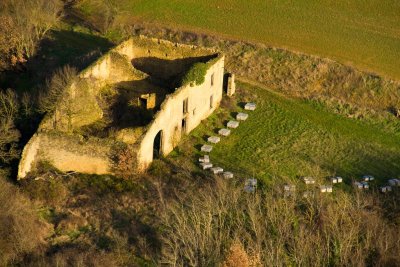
x=157, y=146
x=184, y=125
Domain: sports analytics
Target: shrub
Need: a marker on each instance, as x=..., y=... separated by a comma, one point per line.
x=50, y=191
x=9, y=135
x=55, y=89
x=24, y=25
x=124, y=160
x=20, y=229
x=195, y=75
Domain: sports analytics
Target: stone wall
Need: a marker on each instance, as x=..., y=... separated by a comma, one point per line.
x=169, y=118
x=67, y=153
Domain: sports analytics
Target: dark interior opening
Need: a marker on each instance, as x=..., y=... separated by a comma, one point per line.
x=157, y=145
x=183, y=126
x=167, y=72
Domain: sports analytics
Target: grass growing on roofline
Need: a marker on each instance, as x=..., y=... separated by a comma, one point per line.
x=363, y=33
x=287, y=138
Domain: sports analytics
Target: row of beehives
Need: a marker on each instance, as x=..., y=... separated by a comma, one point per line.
x=362, y=185
x=205, y=162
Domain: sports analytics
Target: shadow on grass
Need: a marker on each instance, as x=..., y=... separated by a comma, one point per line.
x=61, y=48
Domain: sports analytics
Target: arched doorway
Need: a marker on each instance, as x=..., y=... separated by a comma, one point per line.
x=157, y=146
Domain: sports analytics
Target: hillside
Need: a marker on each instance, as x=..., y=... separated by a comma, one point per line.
x=319, y=113
x=287, y=138
x=352, y=32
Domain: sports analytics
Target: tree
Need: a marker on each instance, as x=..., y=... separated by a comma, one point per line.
x=20, y=229
x=24, y=23
x=55, y=88
x=9, y=135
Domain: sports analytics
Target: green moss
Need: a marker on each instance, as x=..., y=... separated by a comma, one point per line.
x=195, y=75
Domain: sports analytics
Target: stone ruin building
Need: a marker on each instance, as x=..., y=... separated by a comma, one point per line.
x=143, y=95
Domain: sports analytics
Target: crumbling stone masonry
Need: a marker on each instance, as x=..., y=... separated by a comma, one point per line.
x=134, y=98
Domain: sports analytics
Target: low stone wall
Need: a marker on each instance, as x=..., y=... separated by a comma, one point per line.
x=67, y=153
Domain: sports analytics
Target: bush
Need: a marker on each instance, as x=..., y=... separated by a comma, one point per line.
x=20, y=229
x=9, y=135
x=55, y=89
x=195, y=75
x=50, y=191
x=23, y=25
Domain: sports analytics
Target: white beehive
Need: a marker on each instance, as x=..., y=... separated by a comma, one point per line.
x=217, y=170
x=309, y=180
x=206, y=148
x=242, y=116
x=206, y=166
x=394, y=182
x=368, y=178
x=228, y=175
x=326, y=189
x=250, y=106
x=205, y=159
x=358, y=185
x=385, y=189
x=365, y=185
x=232, y=124
x=224, y=132
x=213, y=139
x=289, y=188
x=251, y=181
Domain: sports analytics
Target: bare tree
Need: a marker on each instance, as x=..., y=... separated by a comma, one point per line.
x=205, y=228
x=24, y=24
x=9, y=135
x=55, y=88
x=20, y=229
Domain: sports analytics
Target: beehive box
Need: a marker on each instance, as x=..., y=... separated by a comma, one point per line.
x=309, y=180
x=205, y=159
x=206, y=166
x=232, y=124
x=242, y=116
x=224, y=132
x=213, y=139
x=250, y=106
x=228, y=175
x=217, y=170
x=206, y=148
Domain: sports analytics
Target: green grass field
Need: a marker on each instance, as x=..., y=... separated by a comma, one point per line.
x=362, y=33
x=286, y=138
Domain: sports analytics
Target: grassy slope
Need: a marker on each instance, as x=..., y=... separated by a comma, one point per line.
x=363, y=33
x=287, y=138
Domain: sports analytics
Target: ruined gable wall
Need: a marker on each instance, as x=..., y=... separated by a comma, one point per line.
x=169, y=118
x=71, y=153
x=67, y=153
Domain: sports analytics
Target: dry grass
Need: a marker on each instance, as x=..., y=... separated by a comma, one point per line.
x=20, y=230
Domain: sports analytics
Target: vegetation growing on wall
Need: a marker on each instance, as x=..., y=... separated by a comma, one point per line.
x=195, y=75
